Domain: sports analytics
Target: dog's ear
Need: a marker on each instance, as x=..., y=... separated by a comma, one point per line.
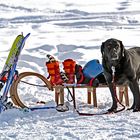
x=102, y=48
x=122, y=48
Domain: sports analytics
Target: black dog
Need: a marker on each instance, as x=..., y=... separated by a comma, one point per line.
x=127, y=69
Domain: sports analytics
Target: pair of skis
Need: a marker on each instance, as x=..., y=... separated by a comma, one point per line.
x=9, y=70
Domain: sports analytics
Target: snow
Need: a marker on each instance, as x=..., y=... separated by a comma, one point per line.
x=66, y=29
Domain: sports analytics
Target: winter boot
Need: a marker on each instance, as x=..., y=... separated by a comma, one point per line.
x=69, y=68
x=54, y=72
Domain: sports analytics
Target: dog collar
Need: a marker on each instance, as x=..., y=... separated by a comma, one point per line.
x=113, y=73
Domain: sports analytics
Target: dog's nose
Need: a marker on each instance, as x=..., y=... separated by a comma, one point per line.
x=114, y=53
x=114, y=56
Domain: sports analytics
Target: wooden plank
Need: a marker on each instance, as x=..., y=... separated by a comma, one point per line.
x=94, y=97
x=89, y=95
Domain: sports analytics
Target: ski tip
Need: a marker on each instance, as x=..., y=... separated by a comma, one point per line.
x=26, y=35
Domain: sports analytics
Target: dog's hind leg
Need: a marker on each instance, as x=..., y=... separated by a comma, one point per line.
x=134, y=86
x=132, y=90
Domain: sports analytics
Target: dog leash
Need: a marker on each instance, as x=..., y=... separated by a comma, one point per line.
x=115, y=93
x=103, y=113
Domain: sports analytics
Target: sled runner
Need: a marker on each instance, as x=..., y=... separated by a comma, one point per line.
x=42, y=105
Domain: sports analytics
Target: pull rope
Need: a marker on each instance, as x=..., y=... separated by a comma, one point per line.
x=69, y=94
x=33, y=84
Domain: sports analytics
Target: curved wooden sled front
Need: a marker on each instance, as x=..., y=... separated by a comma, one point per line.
x=13, y=90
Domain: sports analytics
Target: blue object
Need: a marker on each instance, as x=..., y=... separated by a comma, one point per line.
x=92, y=69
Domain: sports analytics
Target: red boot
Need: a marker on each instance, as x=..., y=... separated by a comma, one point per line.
x=54, y=73
x=69, y=68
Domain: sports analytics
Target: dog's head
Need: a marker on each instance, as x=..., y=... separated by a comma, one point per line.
x=112, y=50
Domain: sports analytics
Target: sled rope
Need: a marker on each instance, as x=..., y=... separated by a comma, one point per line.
x=32, y=84
x=13, y=90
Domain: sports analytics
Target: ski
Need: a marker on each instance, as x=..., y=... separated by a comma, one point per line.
x=59, y=108
x=10, y=59
x=10, y=67
x=42, y=108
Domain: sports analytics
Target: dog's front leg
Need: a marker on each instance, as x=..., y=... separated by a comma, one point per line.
x=113, y=95
x=112, y=89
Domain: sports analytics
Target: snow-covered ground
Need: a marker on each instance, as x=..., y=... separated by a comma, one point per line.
x=67, y=29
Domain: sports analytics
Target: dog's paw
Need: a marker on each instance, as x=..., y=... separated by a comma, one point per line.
x=112, y=109
x=136, y=110
x=132, y=107
x=129, y=108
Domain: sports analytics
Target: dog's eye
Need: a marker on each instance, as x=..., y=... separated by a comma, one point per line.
x=117, y=46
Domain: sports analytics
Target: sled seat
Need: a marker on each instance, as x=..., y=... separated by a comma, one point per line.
x=91, y=93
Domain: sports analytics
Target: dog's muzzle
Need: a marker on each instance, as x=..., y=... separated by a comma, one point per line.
x=114, y=58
